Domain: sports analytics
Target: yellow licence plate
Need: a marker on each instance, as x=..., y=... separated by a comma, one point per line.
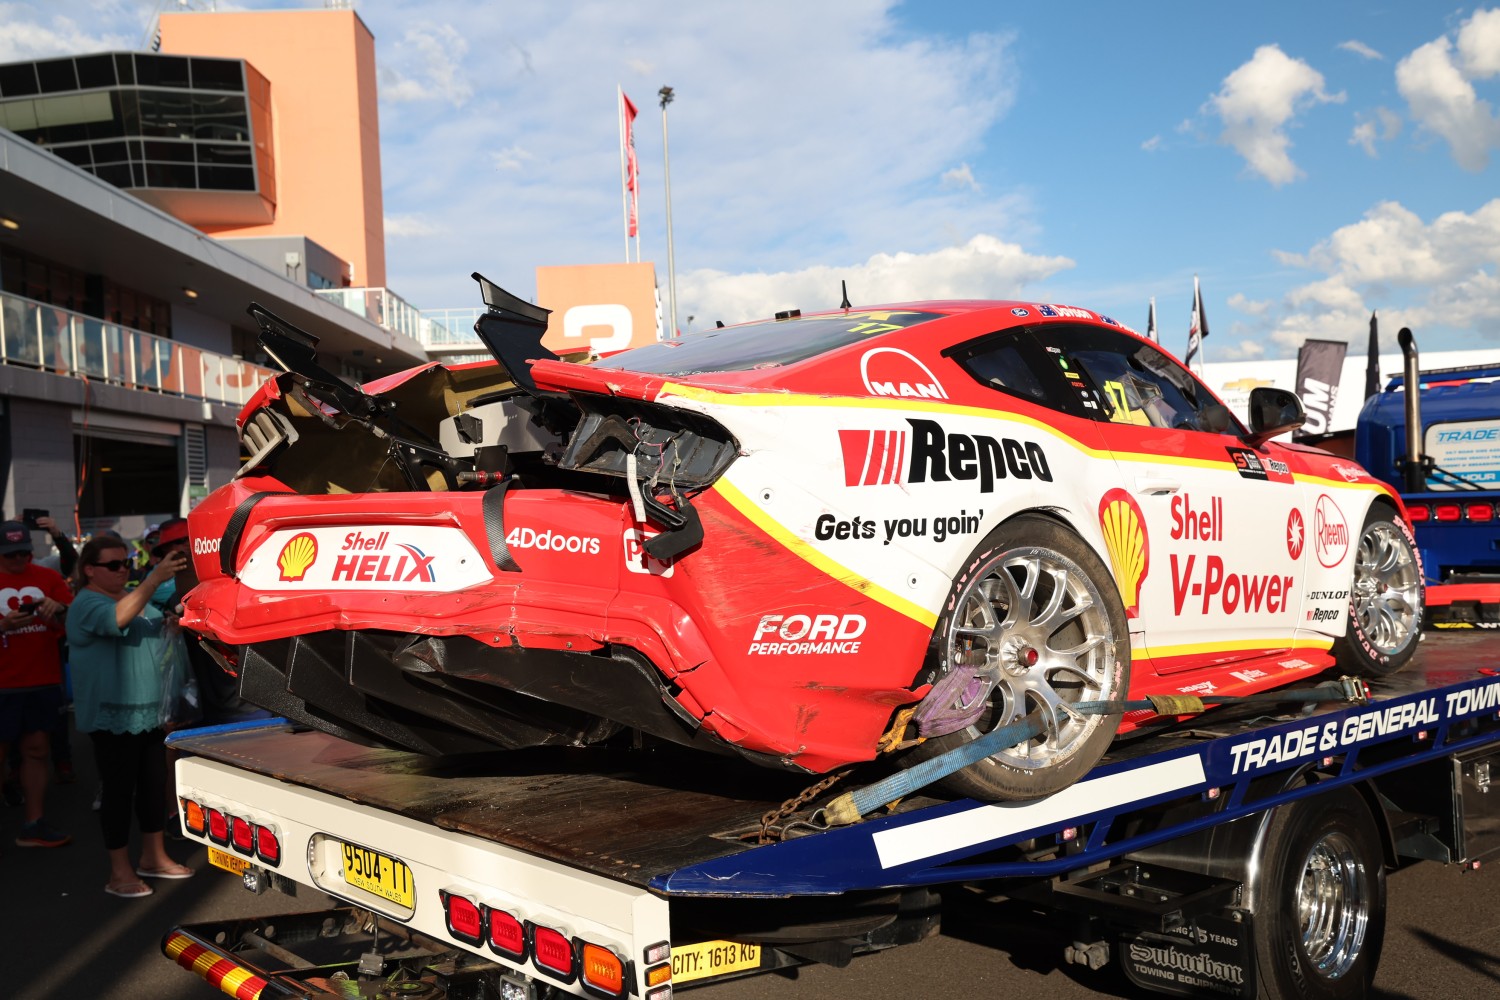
x=712, y=958
x=378, y=873
x=227, y=861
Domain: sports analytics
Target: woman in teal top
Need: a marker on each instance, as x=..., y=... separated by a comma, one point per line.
x=115, y=643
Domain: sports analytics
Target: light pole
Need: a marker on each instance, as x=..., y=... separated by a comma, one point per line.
x=666, y=96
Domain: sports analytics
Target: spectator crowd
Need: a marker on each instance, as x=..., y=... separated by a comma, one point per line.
x=90, y=643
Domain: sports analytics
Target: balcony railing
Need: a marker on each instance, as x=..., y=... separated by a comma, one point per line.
x=36, y=335
x=380, y=306
x=446, y=329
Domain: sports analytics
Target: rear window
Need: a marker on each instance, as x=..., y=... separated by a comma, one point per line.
x=770, y=344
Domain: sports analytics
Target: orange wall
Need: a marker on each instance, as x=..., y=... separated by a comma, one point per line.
x=605, y=307
x=321, y=64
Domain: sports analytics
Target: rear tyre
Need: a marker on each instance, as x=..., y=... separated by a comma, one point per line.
x=1039, y=609
x=1386, y=597
x=1320, y=910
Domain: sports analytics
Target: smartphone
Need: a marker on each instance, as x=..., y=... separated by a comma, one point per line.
x=29, y=516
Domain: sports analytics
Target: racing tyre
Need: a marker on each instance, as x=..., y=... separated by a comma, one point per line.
x=1385, y=598
x=1036, y=610
x=1320, y=915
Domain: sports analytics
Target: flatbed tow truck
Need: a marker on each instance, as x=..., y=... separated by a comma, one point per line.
x=1241, y=852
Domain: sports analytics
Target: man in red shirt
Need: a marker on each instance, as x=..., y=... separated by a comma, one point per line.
x=32, y=601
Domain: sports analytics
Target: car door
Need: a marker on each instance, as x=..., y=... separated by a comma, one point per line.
x=1222, y=561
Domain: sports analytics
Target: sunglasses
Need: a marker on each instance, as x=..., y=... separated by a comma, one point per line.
x=114, y=565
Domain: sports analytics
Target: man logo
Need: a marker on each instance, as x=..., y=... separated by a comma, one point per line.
x=889, y=371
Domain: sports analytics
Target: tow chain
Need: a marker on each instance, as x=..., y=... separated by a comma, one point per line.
x=792, y=805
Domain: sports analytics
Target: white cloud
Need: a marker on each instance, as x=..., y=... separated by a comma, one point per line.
x=511, y=158
x=960, y=178
x=426, y=66
x=1245, y=350
x=1360, y=49
x=1441, y=97
x=984, y=267
x=26, y=36
x=1152, y=144
x=1258, y=103
x=1381, y=125
x=409, y=226
x=772, y=172
x=1239, y=303
x=1479, y=45
x=1444, y=273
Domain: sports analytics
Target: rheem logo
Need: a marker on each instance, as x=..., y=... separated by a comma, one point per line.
x=1330, y=532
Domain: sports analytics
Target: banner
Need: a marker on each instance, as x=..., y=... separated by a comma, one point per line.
x=1372, y=362
x=1197, y=331
x=1151, y=323
x=1320, y=366
x=632, y=168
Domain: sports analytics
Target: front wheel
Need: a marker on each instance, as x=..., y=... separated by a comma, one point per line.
x=1320, y=914
x=1385, y=598
x=1036, y=614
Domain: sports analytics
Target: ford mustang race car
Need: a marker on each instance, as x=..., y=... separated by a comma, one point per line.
x=810, y=541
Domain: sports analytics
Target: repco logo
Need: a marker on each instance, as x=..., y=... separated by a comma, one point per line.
x=1330, y=532
x=205, y=546
x=930, y=454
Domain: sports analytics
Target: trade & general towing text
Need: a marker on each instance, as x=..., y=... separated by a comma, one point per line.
x=1386, y=720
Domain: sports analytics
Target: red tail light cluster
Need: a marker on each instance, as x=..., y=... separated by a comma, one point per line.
x=600, y=970
x=1448, y=511
x=253, y=840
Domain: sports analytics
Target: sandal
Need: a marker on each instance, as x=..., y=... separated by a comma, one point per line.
x=128, y=890
x=170, y=871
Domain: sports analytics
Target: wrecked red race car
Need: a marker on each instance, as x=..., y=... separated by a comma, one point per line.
x=807, y=541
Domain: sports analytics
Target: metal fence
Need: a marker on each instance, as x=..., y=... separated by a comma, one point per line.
x=37, y=335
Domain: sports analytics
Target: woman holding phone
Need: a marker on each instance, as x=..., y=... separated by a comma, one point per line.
x=115, y=637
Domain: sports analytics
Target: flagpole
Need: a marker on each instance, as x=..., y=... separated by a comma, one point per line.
x=666, y=96
x=624, y=180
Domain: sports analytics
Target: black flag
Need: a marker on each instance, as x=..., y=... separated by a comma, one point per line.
x=1320, y=366
x=1372, y=367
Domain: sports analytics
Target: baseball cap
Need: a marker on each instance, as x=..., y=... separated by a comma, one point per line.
x=14, y=537
x=173, y=531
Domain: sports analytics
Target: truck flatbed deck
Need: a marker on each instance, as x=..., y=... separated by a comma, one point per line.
x=635, y=846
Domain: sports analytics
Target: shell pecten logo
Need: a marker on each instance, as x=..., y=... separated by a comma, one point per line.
x=1129, y=548
x=297, y=555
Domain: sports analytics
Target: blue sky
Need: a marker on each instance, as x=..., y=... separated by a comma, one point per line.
x=1311, y=162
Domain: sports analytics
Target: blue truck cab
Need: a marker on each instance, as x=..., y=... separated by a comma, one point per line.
x=1455, y=512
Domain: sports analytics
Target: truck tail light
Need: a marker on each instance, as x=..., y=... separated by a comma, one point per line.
x=192, y=817
x=267, y=846
x=507, y=934
x=603, y=970
x=1446, y=512
x=241, y=835
x=1480, y=511
x=552, y=952
x=1418, y=512
x=464, y=921
x=218, y=827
